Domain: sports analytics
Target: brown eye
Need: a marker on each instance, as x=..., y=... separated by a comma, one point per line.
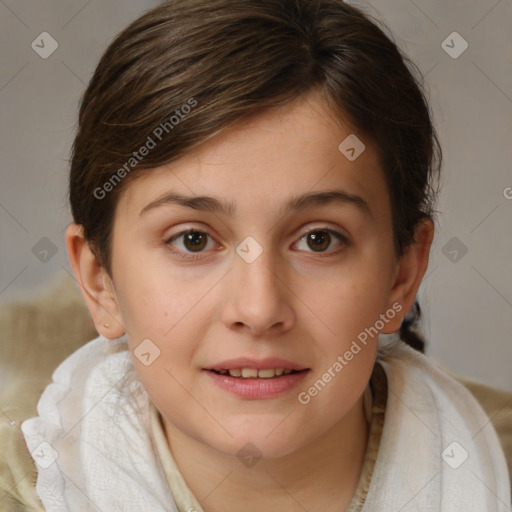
x=195, y=240
x=189, y=242
x=320, y=240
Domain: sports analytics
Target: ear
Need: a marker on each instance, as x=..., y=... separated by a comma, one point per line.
x=409, y=272
x=95, y=284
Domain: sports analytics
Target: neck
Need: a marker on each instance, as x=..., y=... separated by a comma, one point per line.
x=322, y=475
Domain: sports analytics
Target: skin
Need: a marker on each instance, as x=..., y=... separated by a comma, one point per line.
x=292, y=302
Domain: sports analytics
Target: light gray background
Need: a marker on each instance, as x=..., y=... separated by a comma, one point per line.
x=467, y=303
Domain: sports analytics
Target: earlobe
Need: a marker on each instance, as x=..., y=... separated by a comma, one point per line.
x=95, y=284
x=410, y=271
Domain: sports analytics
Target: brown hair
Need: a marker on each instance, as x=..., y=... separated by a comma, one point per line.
x=187, y=69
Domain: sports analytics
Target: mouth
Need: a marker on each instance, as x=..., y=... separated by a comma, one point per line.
x=248, y=368
x=254, y=373
x=250, y=379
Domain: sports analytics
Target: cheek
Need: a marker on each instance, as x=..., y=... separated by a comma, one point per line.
x=154, y=302
x=334, y=391
x=164, y=363
x=345, y=301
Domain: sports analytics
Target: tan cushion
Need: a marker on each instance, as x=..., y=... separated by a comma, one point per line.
x=498, y=406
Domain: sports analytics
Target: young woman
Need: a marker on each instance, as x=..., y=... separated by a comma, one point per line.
x=252, y=186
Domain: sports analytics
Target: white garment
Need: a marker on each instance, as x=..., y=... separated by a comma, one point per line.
x=95, y=415
x=438, y=450
x=93, y=447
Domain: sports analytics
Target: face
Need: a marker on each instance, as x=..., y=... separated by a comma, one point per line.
x=261, y=276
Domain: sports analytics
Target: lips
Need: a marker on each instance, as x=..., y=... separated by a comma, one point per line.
x=251, y=368
x=253, y=373
x=261, y=381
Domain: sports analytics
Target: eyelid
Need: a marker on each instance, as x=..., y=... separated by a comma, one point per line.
x=324, y=227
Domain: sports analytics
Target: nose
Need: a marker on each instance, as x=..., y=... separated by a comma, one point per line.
x=258, y=297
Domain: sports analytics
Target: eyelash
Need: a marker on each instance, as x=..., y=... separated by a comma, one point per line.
x=194, y=256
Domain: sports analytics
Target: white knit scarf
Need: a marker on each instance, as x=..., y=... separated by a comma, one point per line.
x=93, y=448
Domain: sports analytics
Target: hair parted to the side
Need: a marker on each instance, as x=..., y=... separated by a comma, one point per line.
x=236, y=59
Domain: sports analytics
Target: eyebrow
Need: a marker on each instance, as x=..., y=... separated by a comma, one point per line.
x=308, y=200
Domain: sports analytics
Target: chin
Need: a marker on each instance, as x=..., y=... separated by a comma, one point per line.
x=260, y=440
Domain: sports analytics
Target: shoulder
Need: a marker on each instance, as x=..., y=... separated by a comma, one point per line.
x=482, y=408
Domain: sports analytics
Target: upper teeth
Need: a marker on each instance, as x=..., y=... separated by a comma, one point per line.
x=253, y=373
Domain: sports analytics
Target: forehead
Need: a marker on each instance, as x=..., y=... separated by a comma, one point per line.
x=268, y=158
